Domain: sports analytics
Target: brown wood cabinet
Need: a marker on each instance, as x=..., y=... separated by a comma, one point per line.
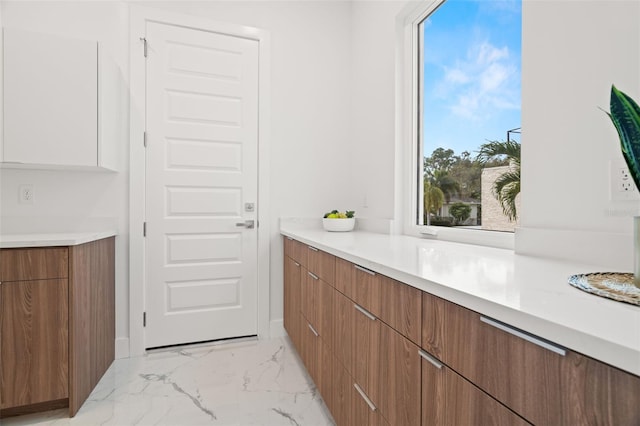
x=539, y=380
x=384, y=353
x=57, y=323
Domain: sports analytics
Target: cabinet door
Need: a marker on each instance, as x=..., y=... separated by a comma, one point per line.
x=350, y=405
x=363, y=409
x=34, y=342
x=343, y=331
x=310, y=296
x=317, y=304
x=317, y=359
x=398, y=392
x=308, y=347
x=292, y=299
x=50, y=99
x=449, y=399
x=365, y=361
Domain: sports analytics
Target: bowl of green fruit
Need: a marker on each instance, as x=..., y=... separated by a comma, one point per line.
x=336, y=221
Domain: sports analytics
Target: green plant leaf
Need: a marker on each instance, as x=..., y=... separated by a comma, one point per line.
x=625, y=115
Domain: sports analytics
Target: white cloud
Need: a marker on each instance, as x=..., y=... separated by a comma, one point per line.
x=456, y=76
x=487, y=54
x=486, y=80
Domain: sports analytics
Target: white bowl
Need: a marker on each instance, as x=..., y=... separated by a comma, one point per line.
x=339, y=225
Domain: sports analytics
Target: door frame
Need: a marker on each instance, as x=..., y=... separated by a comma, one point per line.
x=138, y=17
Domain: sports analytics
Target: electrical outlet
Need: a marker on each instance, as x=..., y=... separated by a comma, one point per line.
x=623, y=188
x=26, y=194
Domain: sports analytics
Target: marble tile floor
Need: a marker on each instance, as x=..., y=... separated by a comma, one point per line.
x=241, y=382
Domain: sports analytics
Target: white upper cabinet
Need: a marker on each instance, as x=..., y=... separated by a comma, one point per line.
x=51, y=102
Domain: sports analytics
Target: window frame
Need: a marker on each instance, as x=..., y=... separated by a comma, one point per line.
x=408, y=142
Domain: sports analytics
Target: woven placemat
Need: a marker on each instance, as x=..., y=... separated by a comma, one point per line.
x=612, y=285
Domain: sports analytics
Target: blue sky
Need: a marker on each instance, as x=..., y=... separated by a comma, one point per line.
x=471, y=73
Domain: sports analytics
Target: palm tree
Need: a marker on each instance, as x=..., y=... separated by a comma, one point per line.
x=507, y=187
x=433, y=199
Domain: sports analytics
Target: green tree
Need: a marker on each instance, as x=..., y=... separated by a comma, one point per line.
x=433, y=200
x=460, y=212
x=440, y=160
x=447, y=184
x=467, y=172
x=507, y=186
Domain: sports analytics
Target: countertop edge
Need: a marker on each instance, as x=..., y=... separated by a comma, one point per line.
x=57, y=239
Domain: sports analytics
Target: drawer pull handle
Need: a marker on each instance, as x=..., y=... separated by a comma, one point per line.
x=312, y=275
x=296, y=263
x=431, y=359
x=360, y=268
x=365, y=312
x=313, y=330
x=365, y=397
x=312, y=248
x=536, y=341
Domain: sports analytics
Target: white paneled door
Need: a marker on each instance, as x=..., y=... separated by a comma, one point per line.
x=201, y=185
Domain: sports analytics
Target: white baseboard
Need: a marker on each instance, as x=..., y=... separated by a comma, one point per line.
x=122, y=347
x=276, y=328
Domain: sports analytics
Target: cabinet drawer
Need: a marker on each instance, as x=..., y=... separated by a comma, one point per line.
x=395, y=303
x=542, y=382
x=344, y=276
x=33, y=264
x=317, y=305
x=365, y=289
x=295, y=250
x=321, y=264
x=449, y=399
x=401, y=308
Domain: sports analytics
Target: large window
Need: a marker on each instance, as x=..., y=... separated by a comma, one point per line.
x=469, y=115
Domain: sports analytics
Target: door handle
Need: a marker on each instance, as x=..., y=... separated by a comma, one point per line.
x=249, y=224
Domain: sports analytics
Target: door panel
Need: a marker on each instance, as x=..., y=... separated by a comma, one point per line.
x=201, y=170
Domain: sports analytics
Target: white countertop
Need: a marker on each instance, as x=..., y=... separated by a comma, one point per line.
x=52, y=239
x=527, y=292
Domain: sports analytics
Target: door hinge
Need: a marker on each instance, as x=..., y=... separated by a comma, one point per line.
x=144, y=42
x=144, y=139
x=144, y=229
x=144, y=319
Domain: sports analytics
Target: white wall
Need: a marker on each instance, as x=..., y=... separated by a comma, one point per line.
x=572, y=52
x=373, y=66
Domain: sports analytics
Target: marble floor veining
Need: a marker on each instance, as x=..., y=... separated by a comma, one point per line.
x=246, y=382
